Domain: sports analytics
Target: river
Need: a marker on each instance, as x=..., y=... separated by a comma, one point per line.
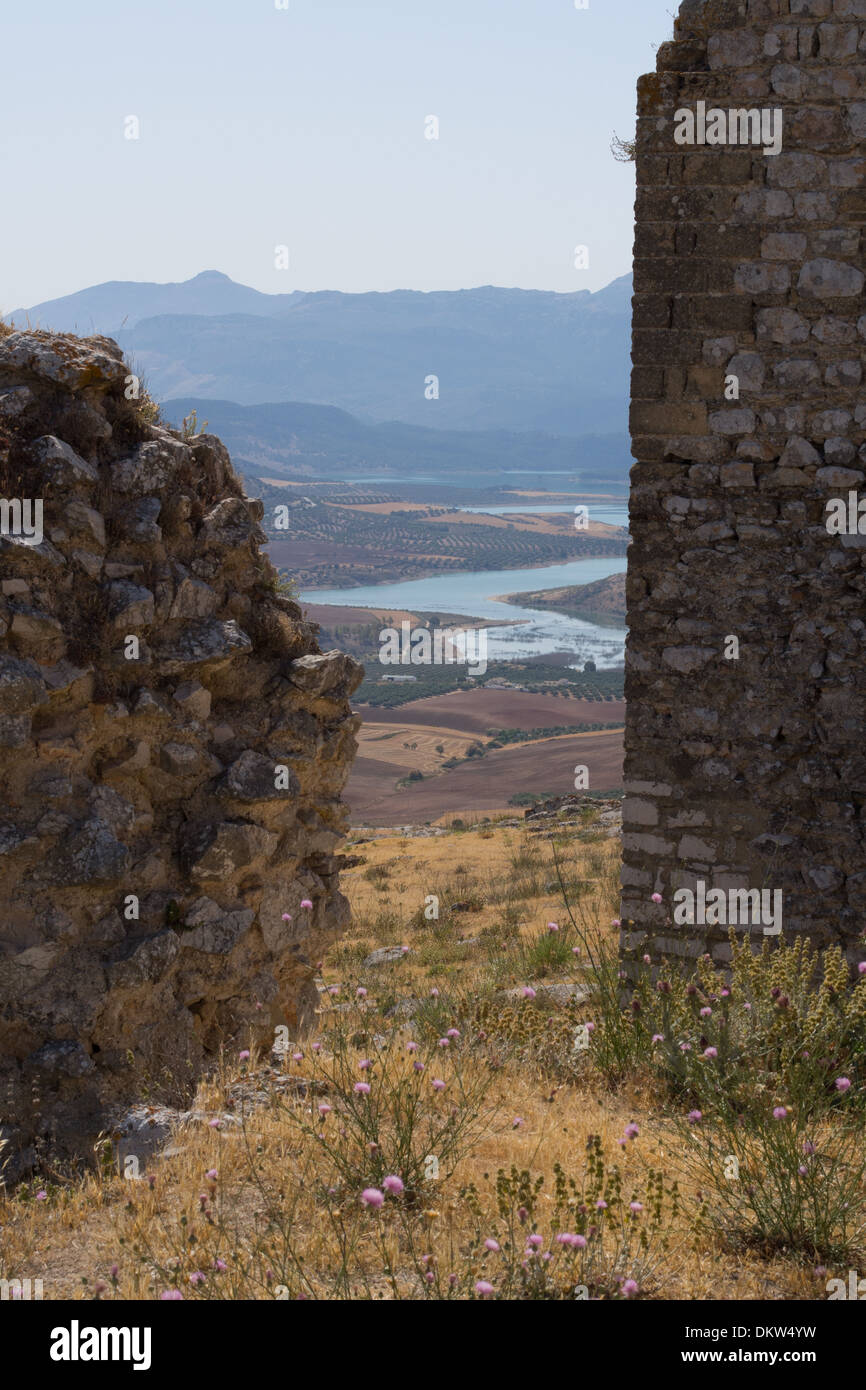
x=535, y=632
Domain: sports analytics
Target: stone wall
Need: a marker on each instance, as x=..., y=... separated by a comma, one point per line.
x=748, y=770
x=174, y=747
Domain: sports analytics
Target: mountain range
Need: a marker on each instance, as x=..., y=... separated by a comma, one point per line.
x=525, y=361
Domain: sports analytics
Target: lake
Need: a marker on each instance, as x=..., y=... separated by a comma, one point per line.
x=474, y=595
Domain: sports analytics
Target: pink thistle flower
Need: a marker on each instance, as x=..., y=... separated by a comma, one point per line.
x=196, y=1277
x=444, y=1042
x=364, y=1064
x=325, y=1108
x=528, y=992
x=803, y=1170
x=861, y=968
x=658, y=1037
x=170, y=1295
x=809, y=1147
x=601, y=1204
x=711, y=1052
x=405, y=950
x=317, y=1047
x=656, y=897
x=695, y=1117
x=629, y=1288
x=305, y=903
x=616, y=922
x=575, y=950
x=393, y=1184
x=434, y=993
x=411, y=1047
x=244, y=1056
x=361, y=1088
x=372, y=1197
x=438, y=1085
x=491, y=1244
x=517, y=1122
x=212, y=1174
x=42, y=1196
x=297, y=1056
x=333, y=989
x=220, y=1266
x=631, y=1130
x=483, y=1289
x=842, y=1083
x=590, y=1027
x=417, y=1066
x=361, y=992
x=535, y=1241
x=647, y=960
x=287, y=916
x=553, y=927
x=635, y=1207
x=453, y=1033
x=215, y=1124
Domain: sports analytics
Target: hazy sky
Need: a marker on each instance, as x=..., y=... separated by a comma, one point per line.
x=305, y=127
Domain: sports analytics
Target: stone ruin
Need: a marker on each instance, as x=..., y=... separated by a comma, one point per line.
x=746, y=661
x=174, y=747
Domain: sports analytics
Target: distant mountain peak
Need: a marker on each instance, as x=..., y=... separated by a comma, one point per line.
x=210, y=275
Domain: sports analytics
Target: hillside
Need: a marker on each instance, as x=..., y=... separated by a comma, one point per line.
x=513, y=359
x=297, y=440
x=603, y=601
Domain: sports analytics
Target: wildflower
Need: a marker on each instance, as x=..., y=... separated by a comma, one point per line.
x=333, y=989
x=215, y=1124
x=405, y=950
x=114, y=1272
x=553, y=926
x=635, y=1207
x=491, y=1244
x=42, y=1196
x=220, y=1266
x=434, y=993
x=418, y=1066
x=324, y=1108
x=305, y=903
x=575, y=951
x=534, y=1241
x=616, y=922
x=362, y=1088
x=438, y=1085
x=517, y=1122
x=647, y=960
x=706, y=1012
x=361, y=992
x=725, y=993
x=695, y=1117
x=522, y=1215
x=444, y=1042
x=196, y=1277
x=656, y=897
x=371, y=1197
x=803, y=1170
x=573, y=1241
x=364, y=1064
x=590, y=1027
x=483, y=1289
x=685, y=1047
x=317, y=1047
x=658, y=1037
x=297, y=1056
x=170, y=1295
x=452, y=1281
x=631, y=1130
x=842, y=1083
x=411, y=1047
x=809, y=1147
x=601, y=1204
x=453, y=1033
x=780, y=1112
x=861, y=968
x=528, y=992
x=393, y=1184
x=212, y=1173
x=711, y=1052
x=629, y=1287
x=287, y=916
x=663, y=987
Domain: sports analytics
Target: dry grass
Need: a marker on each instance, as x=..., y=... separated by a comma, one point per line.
x=283, y=1217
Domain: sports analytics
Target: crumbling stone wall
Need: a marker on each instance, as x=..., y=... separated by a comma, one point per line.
x=174, y=747
x=749, y=770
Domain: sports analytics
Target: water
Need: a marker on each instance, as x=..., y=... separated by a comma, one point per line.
x=474, y=595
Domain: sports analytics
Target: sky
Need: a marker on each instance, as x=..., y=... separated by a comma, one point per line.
x=305, y=127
